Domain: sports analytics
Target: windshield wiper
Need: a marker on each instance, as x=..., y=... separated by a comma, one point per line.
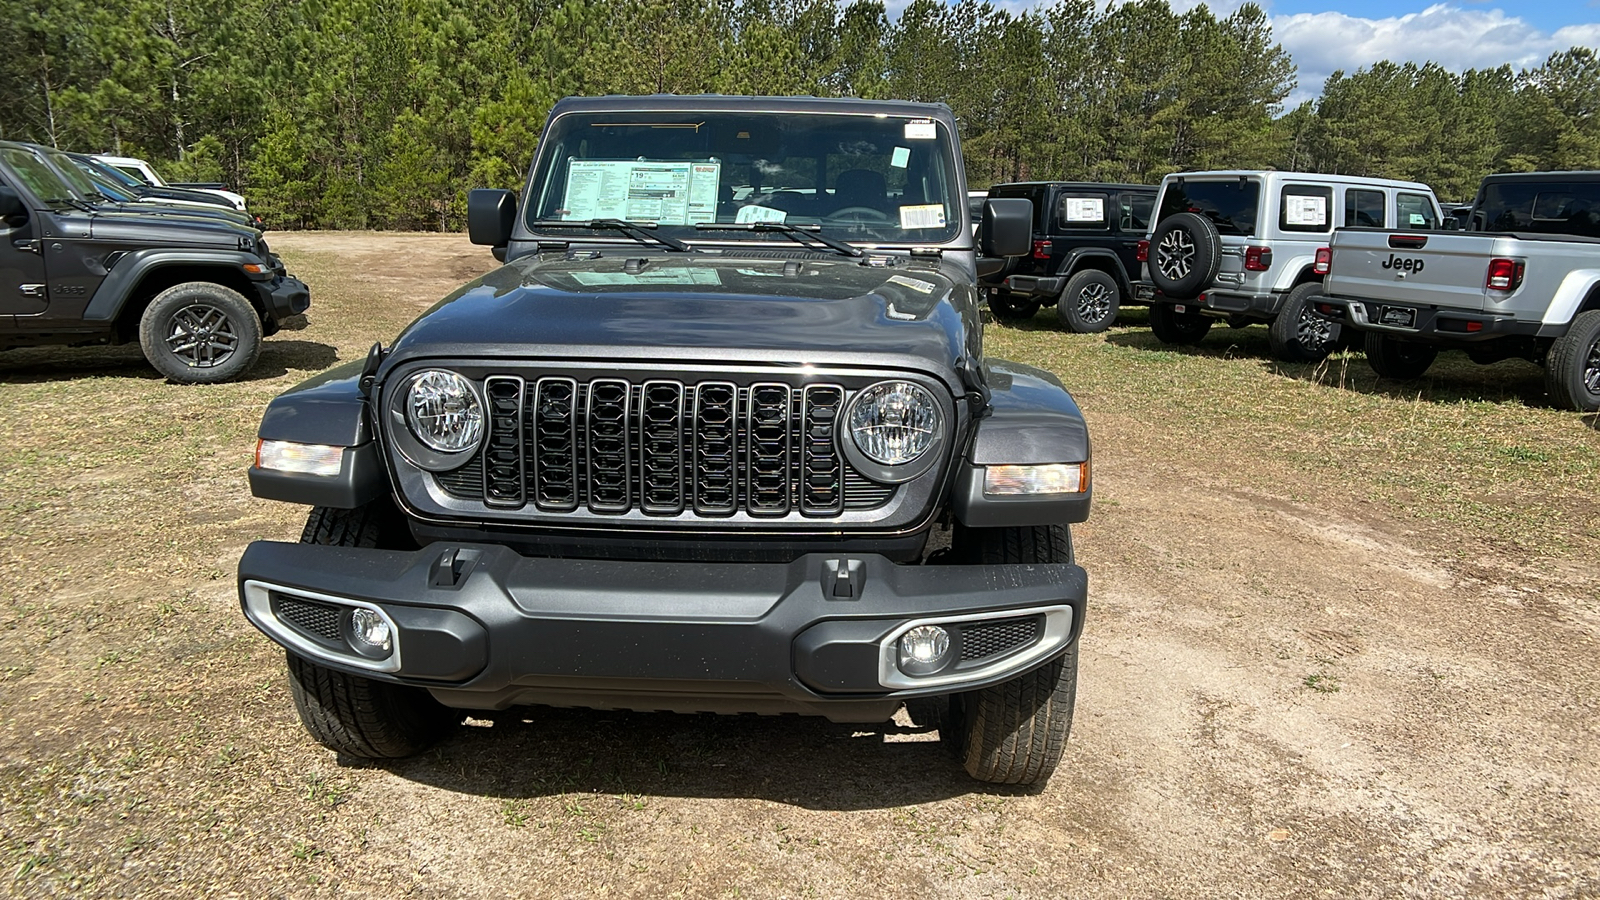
x=58, y=202
x=810, y=236
x=639, y=231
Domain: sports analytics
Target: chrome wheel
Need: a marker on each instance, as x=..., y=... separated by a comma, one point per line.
x=1175, y=254
x=1094, y=302
x=201, y=336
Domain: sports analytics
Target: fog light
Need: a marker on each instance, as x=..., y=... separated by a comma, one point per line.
x=306, y=459
x=1056, y=478
x=924, y=650
x=369, y=633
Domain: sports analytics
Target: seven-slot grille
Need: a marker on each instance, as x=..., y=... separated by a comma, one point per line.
x=663, y=447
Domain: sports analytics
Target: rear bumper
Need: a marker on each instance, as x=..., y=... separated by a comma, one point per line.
x=1217, y=302
x=1429, y=324
x=483, y=627
x=284, y=296
x=1036, y=285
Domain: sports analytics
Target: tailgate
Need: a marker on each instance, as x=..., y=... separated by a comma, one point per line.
x=1419, y=268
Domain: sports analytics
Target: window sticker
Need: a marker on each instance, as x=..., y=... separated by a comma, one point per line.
x=1086, y=209
x=921, y=130
x=1419, y=219
x=749, y=214
x=916, y=284
x=1300, y=209
x=900, y=157
x=929, y=215
x=668, y=192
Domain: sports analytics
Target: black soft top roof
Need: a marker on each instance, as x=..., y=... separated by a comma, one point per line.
x=727, y=103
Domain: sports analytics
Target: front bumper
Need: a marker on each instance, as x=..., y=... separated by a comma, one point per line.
x=1425, y=324
x=283, y=296
x=484, y=627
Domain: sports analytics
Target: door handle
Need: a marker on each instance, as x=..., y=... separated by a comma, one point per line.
x=32, y=290
x=29, y=246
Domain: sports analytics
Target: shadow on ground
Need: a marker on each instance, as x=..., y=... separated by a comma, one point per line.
x=806, y=762
x=31, y=365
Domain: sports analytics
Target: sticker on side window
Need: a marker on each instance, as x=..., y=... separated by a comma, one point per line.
x=1299, y=209
x=1086, y=209
x=1419, y=219
x=921, y=130
x=925, y=216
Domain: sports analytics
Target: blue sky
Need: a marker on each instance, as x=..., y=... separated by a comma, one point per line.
x=1328, y=35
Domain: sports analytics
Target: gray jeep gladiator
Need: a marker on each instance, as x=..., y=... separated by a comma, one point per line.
x=197, y=292
x=719, y=437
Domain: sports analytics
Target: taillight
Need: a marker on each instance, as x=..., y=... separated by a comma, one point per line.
x=1505, y=274
x=1144, y=251
x=1257, y=259
x=1324, y=261
x=1041, y=249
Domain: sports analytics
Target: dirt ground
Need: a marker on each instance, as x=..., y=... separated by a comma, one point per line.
x=1284, y=692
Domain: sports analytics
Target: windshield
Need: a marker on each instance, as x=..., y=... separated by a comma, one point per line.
x=103, y=184
x=37, y=176
x=69, y=171
x=857, y=178
x=1540, y=207
x=115, y=174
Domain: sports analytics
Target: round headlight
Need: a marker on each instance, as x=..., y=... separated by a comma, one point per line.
x=894, y=422
x=443, y=411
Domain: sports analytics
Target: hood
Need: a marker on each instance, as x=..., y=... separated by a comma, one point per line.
x=137, y=224
x=702, y=306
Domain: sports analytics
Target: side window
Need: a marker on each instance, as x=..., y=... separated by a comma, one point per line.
x=1082, y=212
x=1135, y=212
x=1415, y=212
x=1363, y=208
x=1306, y=207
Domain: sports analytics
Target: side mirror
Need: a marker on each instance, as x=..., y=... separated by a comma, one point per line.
x=490, y=216
x=11, y=205
x=1007, y=228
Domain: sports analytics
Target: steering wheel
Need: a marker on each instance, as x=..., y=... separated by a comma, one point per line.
x=860, y=214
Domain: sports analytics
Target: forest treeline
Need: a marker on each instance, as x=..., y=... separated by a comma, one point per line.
x=382, y=113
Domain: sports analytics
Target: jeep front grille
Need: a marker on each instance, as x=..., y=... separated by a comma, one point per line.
x=663, y=447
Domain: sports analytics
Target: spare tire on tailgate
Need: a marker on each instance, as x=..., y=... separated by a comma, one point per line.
x=1185, y=254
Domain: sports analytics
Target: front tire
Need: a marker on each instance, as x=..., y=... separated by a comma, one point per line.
x=1014, y=732
x=1009, y=308
x=1572, y=368
x=1397, y=359
x=1181, y=328
x=357, y=716
x=200, y=333
x=1090, y=302
x=1298, y=334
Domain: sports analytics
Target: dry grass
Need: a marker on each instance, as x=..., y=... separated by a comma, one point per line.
x=149, y=745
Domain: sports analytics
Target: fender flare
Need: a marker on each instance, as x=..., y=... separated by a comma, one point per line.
x=1069, y=264
x=1569, y=297
x=1032, y=420
x=328, y=409
x=1294, y=272
x=131, y=268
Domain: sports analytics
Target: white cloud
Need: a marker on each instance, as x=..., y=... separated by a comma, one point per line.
x=1456, y=38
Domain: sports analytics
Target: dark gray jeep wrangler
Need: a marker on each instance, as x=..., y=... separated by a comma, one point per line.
x=719, y=437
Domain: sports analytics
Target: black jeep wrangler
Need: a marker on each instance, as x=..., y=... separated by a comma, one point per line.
x=198, y=292
x=720, y=436
x=1084, y=256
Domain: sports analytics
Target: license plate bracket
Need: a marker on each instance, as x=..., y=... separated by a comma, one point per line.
x=1397, y=316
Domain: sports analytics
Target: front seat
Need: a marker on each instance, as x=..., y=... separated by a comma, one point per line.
x=861, y=187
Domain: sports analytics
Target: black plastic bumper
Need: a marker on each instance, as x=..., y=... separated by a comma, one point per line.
x=1217, y=302
x=1425, y=324
x=284, y=296
x=483, y=627
x=1037, y=285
